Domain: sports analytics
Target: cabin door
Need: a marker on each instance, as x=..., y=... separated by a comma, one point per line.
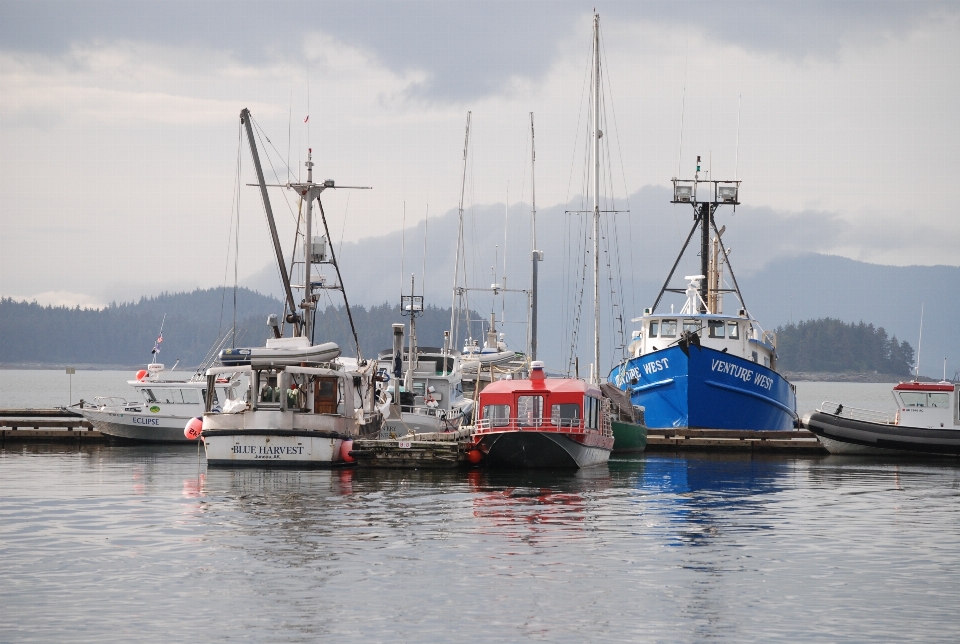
x=325, y=395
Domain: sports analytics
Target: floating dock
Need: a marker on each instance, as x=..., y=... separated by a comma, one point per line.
x=50, y=425
x=434, y=450
x=739, y=440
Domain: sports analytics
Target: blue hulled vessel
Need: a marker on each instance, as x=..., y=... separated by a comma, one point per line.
x=702, y=368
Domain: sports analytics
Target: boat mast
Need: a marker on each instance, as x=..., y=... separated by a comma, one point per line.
x=537, y=255
x=596, y=199
x=454, y=321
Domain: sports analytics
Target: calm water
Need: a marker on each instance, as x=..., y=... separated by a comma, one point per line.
x=146, y=544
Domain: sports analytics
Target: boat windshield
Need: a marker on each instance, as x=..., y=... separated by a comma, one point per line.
x=691, y=326
x=925, y=399
x=716, y=328
x=668, y=329
x=734, y=330
x=565, y=414
x=530, y=411
x=497, y=415
x=653, y=329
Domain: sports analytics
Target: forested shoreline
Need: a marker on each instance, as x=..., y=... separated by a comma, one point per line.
x=831, y=345
x=124, y=334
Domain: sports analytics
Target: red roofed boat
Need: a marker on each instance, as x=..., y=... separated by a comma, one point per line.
x=546, y=423
x=927, y=422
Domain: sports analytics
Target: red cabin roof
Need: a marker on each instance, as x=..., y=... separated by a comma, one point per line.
x=547, y=385
x=923, y=386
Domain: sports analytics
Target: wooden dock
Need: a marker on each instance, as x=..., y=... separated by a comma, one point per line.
x=427, y=451
x=717, y=440
x=48, y=425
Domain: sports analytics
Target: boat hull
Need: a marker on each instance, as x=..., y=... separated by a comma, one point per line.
x=849, y=436
x=703, y=388
x=272, y=448
x=628, y=437
x=542, y=450
x=138, y=428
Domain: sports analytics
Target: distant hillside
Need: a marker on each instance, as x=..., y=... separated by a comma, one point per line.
x=124, y=334
x=832, y=345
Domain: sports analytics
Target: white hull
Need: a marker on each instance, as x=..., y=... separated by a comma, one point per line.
x=138, y=427
x=840, y=447
x=273, y=449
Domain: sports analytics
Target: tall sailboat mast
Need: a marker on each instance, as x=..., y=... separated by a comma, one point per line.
x=537, y=255
x=456, y=269
x=596, y=199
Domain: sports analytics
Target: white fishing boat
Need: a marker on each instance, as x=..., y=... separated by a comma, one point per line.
x=161, y=407
x=300, y=409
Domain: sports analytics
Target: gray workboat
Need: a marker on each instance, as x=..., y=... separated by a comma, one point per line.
x=927, y=422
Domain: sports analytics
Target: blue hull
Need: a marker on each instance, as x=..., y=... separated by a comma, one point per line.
x=707, y=389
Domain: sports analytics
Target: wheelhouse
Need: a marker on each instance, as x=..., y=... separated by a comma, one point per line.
x=923, y=404
x=566, y=405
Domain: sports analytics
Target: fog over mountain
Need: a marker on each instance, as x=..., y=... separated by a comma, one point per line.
x=780, y=281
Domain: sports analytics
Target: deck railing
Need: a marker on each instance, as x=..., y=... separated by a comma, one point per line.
x=568, y=425
x=855, y=413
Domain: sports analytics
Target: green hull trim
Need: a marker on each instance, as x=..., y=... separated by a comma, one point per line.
x=628, y=437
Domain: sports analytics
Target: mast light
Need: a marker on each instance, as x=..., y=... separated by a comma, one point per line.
x=727, y=193
x=684, y=191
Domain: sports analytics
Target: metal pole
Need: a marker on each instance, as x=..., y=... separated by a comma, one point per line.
x=706, y=212
x=245, y=119
x=307, y=304
x=596, y=197
x=533, y=236
x=456, y=267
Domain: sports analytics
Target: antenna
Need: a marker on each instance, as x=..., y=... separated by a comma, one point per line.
x=736, y=163
x=919, y=344
x=683, y=104
x=423, y=274
x=403, y=241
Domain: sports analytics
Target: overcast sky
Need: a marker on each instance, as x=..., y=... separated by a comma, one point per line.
x=119, y=122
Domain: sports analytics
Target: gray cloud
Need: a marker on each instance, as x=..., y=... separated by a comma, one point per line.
x=469, y=49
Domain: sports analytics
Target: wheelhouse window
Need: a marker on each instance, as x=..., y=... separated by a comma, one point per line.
x=715, y=328
x=925, y=399
x=148, y=396
x=691, y=326
x=733, y=330
x=591, y=412
x=565, y=415
x=654, y=326
x=668, y=329
x=497, y=415
x=530, y=411
x=190, y=396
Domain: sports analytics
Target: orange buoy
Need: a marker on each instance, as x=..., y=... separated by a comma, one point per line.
x=141, y=374
x=345, y=448
x=474, y=456
x=193, y=428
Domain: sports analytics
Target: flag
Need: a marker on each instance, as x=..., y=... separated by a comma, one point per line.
x=156, y=345
x=307, y=118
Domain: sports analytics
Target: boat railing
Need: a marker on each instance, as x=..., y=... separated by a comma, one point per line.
x=110, y=401
x=567, y=425
x=855, y=413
